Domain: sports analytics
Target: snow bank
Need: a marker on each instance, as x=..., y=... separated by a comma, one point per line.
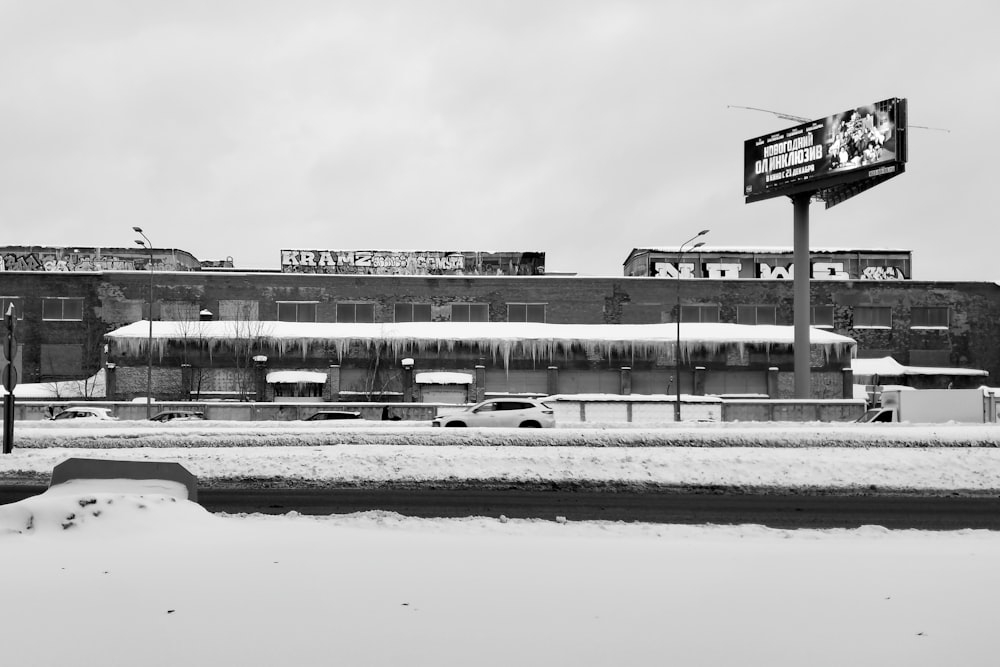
x=844, y=469
x=126, y=434
x=103, y=505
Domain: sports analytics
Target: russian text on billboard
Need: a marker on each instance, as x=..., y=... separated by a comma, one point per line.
x=822, y=150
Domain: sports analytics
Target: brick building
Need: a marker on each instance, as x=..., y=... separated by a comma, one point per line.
x=72, y=322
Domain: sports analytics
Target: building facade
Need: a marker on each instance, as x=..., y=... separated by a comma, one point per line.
x=67, y=321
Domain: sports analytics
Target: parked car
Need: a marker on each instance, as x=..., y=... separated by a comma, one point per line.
x=172, y=415
x=85, y=412
x=324, y=415
x=508, y=412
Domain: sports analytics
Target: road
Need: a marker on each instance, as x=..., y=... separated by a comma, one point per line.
x=676, y=506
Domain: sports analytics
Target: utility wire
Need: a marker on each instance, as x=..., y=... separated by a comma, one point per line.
x=800, y=119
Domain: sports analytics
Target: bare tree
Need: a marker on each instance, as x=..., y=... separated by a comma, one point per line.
x=382, y=375
x=191, y=333
x=249, y=340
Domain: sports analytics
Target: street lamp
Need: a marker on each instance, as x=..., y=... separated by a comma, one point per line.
x=677, y=350
x=148, y=245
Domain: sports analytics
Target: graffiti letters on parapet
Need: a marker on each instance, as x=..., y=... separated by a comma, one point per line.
x=820, y=271
x=405, y=262
x=33, y=261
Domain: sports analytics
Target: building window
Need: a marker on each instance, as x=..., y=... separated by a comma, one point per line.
x=470, y=312
x=412, y=312
x=929, y=317
x=821, y=316
x=756, y=315
x=62, y=308
x=876, y=317
x=355, y=312
x=700, y=314
x=8, y=301
x=525, y=312
x=297, y=311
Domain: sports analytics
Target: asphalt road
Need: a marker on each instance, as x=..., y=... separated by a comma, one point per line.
x=777, y=510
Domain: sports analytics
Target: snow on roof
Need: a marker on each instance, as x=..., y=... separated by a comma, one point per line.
x=442, y=377
x=292, y=377
x=889, y=367
x=537, y=340
x=93, y=387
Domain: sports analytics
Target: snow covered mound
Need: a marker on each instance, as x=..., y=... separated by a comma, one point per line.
x=115, y=505
x=127, y=435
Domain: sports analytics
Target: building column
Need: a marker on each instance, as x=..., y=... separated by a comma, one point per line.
x=110, y=382
x=480, y=384
x=331, y=390
x=260, y=377
x=848, y=383
x=772, y=382
x=552, y=380
x=187, y=381
x=407, y=384
x=625, y=385
x=699, y=381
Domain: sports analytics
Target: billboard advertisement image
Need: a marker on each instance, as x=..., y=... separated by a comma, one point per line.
x=863, y=143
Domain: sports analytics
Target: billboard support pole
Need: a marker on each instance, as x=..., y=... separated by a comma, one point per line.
x=801, y=305
x=9, y=382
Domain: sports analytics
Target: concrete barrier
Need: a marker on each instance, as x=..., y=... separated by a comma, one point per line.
x=71, y=469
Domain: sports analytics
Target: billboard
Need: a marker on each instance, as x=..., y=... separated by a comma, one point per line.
x=413, y=262
x=834, y=157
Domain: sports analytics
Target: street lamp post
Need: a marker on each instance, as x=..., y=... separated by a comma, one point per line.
x=148, y=245
x=677, y=350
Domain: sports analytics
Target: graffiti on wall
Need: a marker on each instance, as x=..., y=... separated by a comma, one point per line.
x=44, y=261
x=882, y=273
x=766, y=271
x=403, y=262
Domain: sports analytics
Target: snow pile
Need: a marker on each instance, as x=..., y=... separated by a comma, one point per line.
x=93, y=387
x=106, y=504
x=934, y=470
x=296, y=377
x=380, y=589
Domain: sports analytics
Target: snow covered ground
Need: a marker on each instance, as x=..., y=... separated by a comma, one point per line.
x=131, y=573
x=136, y=576
x=797, y=456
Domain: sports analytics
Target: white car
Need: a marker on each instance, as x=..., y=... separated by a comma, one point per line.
x=86, y=412
x=506, y=412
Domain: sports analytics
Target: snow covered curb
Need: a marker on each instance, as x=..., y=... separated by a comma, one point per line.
x=812, y=470
x=127, y=435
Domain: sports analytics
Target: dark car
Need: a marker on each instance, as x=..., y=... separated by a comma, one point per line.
x=324, y=415
x=171, y=415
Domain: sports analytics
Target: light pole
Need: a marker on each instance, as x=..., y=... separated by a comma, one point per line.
x=148, y=245
x=677, y=350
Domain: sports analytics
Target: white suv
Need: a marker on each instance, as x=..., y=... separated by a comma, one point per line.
x=86, y=412
x=508, y=412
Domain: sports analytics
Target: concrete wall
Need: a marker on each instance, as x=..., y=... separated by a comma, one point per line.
x=792, y=411
x=569, y=411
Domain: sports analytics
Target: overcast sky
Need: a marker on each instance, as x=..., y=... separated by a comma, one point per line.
x=580, y=129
